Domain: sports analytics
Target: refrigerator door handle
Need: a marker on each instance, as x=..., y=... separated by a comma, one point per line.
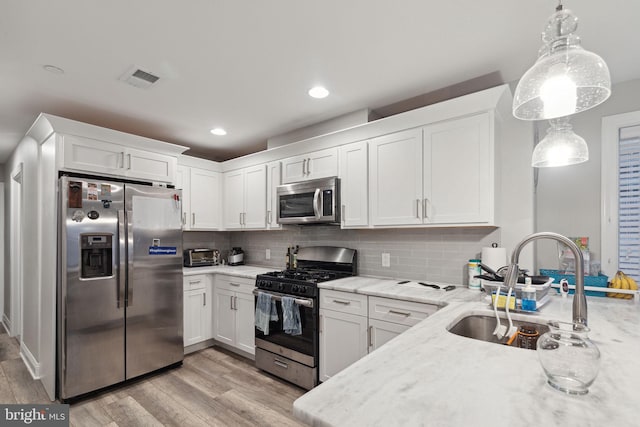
x=129, y=258
x=122, y=259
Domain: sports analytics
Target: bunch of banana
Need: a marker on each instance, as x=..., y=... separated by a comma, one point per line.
x=622, y=281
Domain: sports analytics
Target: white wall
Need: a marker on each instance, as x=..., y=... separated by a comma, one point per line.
x=27, y=154
x=568, y=199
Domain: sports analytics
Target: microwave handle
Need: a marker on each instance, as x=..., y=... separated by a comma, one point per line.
x=316, y=202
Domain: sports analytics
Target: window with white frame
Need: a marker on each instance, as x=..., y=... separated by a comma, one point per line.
x=621, y=194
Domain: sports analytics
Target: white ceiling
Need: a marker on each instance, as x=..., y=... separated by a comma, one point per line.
x=246, y=65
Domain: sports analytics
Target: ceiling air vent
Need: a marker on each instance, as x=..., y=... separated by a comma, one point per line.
x=139, y=78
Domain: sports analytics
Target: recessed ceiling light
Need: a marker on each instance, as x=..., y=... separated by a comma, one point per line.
x=218, y=131
x=318, y=92
x=53, y=69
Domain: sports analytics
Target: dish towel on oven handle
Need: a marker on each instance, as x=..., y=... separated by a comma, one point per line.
x=265, y=312
x=291, y=316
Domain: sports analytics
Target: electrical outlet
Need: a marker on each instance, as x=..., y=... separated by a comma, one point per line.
x=386, y=259
x=267, y=254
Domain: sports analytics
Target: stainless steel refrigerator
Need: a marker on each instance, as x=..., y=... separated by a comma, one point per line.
x=120, y=282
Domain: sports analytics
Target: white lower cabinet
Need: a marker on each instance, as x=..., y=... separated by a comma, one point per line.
x=197, y=309
x=381, y=332
x=352, y=325
x=343, y=340
x=233, y=319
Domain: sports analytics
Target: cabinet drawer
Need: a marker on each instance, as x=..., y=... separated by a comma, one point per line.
x=398, y=311
x=235, y=284
x=344, y=302
x=198, y=281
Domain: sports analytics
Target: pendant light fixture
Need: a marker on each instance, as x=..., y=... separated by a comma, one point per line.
x=566, y=79
x=560, y=147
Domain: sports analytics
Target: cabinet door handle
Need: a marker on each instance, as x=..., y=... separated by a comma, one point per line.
x=320, y=325
x=425, y=204
x=184, y=218
x=309, y=166
x=337, y=301
x=204, y=299
x=400, y=313
x=370, y=337
x=129, y=157
x=231, y=303
x=418, y=208
x=122, y=159
x=304, y=162
x=235, y=303
x=268, y=217
x=193, y=219
x=193, y=282
x=234, y=284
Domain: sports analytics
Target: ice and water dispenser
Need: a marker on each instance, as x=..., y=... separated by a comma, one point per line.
x=96, y=255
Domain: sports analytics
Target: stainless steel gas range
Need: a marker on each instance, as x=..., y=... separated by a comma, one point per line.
x=295, y=357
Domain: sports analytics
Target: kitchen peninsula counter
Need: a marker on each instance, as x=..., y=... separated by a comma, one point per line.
x=428, y=376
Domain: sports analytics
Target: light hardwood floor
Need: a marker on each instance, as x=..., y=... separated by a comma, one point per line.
x=213, y=387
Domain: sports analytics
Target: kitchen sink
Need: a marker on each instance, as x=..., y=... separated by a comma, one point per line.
x=481, y=327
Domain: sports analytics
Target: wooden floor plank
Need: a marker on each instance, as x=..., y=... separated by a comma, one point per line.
x=6, y=395
x=128, y=412
x=164, y=407
x=9, y=348
x=24, y=388
x=214, y=387
x=255, y=412
x=89, y=414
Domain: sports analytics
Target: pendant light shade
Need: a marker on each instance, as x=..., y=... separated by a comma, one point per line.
x=560, y=147
x=566, y=79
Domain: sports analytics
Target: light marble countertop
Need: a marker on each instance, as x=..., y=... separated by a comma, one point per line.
x=428, y=376
x=246, y=271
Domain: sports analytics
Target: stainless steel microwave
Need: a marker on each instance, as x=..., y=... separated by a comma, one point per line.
x=309, y=202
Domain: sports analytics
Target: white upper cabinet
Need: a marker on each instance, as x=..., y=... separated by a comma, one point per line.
x=458, y=171
x=395, y=178
x=245, y=198
x=441, y=174
x=317, y=164
x=183, y=182
x=201, y=196
x=105, y=158
x=354, y=190
x=274, y=178
x=204, y=198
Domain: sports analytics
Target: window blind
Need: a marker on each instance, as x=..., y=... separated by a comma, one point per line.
x=629, y=201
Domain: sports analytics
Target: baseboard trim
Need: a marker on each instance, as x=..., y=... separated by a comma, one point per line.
x=235, y=350
x=31, y=363
x=199, y=346
x=6, y=323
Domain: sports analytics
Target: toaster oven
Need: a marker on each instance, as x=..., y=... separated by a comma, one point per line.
x=201, y=257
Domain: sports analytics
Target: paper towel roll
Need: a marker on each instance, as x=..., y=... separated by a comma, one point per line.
x=494, y=258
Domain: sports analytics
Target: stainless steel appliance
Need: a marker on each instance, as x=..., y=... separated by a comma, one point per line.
x=236, y=256
x=295, y=357
x=120, y=283
x=309, y=202
x=201, y=257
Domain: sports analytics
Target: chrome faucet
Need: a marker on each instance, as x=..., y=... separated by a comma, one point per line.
x=579, y=299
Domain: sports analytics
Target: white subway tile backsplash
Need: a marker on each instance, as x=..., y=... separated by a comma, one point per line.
x=417, y=254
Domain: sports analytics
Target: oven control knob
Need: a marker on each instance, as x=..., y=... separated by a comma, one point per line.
x=295, y=288
x=280, y=286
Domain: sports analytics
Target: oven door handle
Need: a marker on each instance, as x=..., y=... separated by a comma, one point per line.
x=278, y=297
